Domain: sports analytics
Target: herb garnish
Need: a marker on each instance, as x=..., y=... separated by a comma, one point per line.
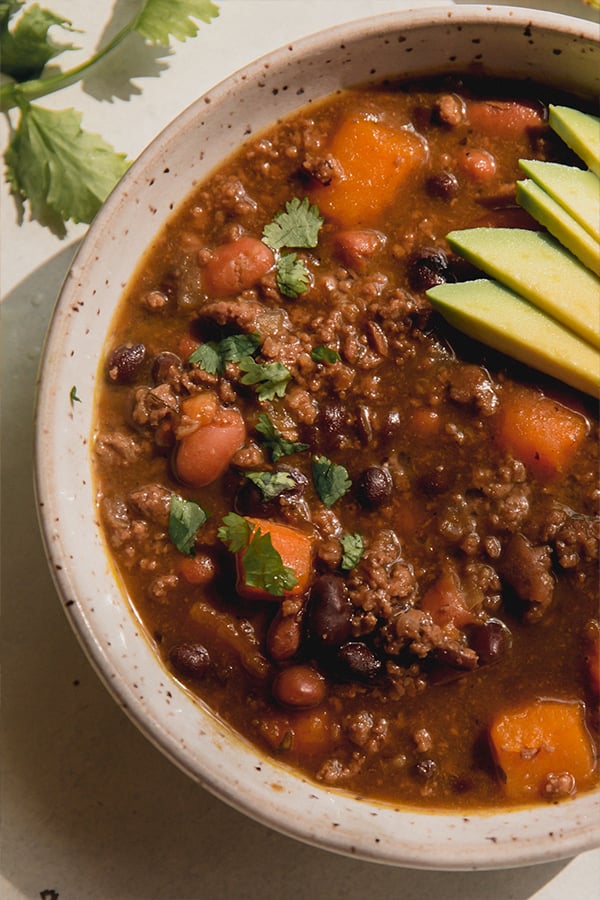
x=63, y=172
x=331, y=480
x=185, y=519
x=271, y=484
x=292, y=275
x=268, y=379
x=353, y=548
x=213, y=355
x=73, y=395
x=298, y=225
x=324, y=354
x=262, y=565
x=274, y=441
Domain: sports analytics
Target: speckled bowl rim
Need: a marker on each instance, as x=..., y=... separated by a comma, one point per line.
x=184, y=730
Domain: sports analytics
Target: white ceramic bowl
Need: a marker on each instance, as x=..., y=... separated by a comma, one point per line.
x=557, y=50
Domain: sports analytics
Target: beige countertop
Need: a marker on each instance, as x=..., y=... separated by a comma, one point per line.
x=88, y=808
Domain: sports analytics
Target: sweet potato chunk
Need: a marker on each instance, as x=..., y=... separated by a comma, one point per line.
x=377, y=159
x=540, y=745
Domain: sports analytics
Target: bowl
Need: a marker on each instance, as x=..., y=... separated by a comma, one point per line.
x=552, y=49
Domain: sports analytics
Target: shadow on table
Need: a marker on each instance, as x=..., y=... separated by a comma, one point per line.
x=90, y=809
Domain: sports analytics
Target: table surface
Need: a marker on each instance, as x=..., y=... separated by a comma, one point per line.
x=89, y=809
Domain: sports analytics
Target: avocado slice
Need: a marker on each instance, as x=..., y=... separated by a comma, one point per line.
x=497, y=316
x=557, y=220
x=536, y=266
x=580, y=131
x=577, y=190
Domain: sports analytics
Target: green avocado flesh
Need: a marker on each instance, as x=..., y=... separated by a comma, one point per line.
x=495, y=315
x=557, y=220
x=537, y=267
x=580, y=131
x=576, y=190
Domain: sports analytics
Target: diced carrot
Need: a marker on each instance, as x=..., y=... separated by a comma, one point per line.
x=540, y=432
x=296, y=550
x=236, y=266
x=198, y=569
x=542, y=739
x=504, y=118
x=302, y=733
x=445, y=601
x=377, y=159
x=203, y=455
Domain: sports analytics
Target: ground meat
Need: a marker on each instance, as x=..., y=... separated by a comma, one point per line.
x=152, y=502
x=152, y=405
x=449, y=110
x=117, y=448
x=415, y=630
x=382, y=581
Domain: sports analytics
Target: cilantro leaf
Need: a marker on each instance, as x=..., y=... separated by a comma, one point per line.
x=292, y=276
x=353, y=548
x=296, y=226
x=73, y=397
x=268, y=379
x=324, y=354
x=25, y=49
x=264, y=568
x=64, y=172
x=161, y=18
x=185, y=519
x=212, y=355
x=271, y=484
x=234, y=532
x=331, y=481
x=274, y=441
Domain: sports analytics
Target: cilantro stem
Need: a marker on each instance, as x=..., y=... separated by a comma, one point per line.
x=14, y=93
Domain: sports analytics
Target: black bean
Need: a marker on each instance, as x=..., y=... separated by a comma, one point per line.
x=491, y=641
x=374, y=486
x=391, y=424
x=435, y=481
x=428, y=267
x=163, y=365
x=124, y=362
x=190, y=660
x=329, y=611
x=332, y=424
x=426, y=769
x=355, y=661
x=443, y=186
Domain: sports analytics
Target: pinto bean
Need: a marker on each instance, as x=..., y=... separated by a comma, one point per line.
x=203, y=455
x=236, y=266
x=300, y=687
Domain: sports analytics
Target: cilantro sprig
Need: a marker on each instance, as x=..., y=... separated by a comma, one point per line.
x=185, y=520
x=274, y=441
x=269, y=380
x=271, y=484
x=353, y=548
x=296, y=226
x=262, y=564
x=213, y=355
x=61, y=172
x=331, y=481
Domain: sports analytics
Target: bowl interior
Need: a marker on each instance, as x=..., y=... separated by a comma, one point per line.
x=508, y=42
